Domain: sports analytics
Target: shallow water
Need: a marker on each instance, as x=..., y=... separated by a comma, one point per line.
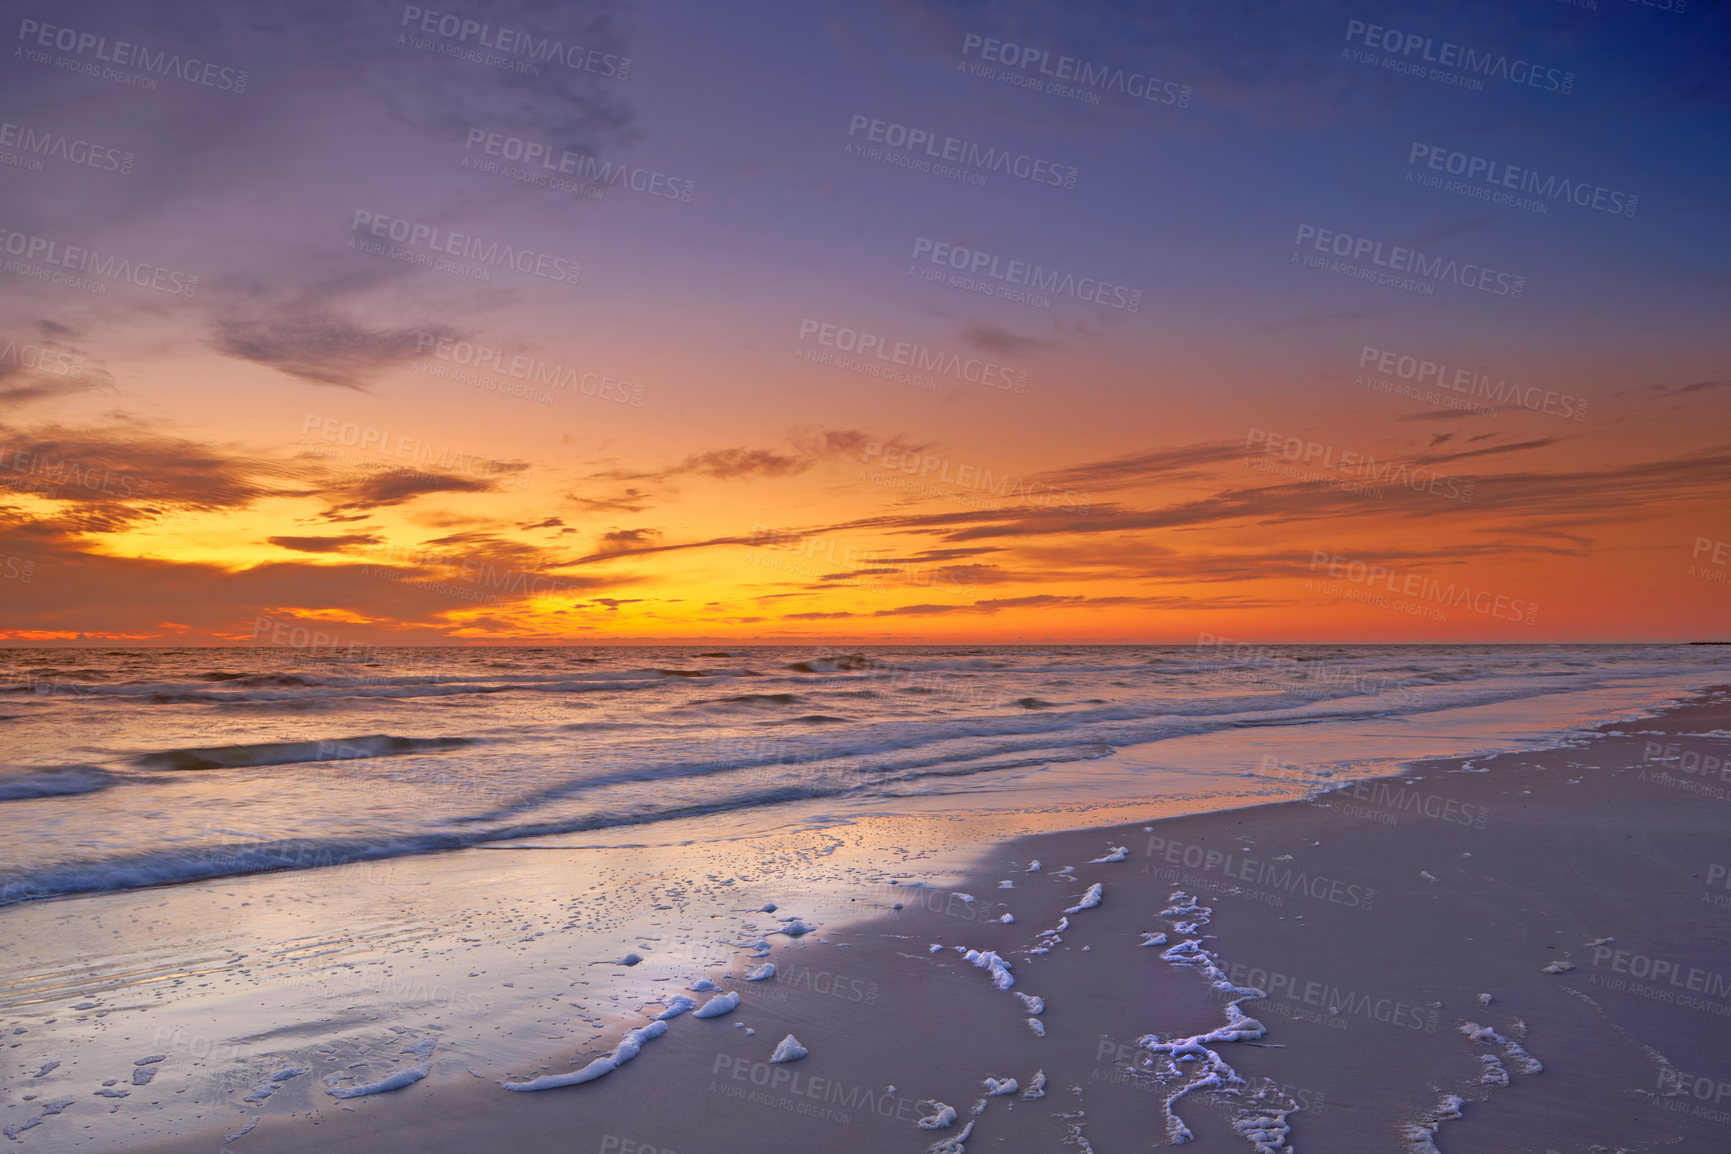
x=127, y=768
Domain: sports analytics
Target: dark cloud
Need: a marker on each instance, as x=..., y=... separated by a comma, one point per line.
x=1675, y=390
x=734, y=464
x=627, y=540
x=47, y=366
x=627, y=500
x=999, y=341
x=1185, y=462
x=123, y=471
x=74, y=590
x=340, y=544
x=1440, y=415
x=25, y=386
x=833, y=442
x=1488, y=450
x=321, y=345
x=639, y=551
x=382, y=490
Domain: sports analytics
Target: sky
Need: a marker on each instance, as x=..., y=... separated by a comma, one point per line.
x=949, y=322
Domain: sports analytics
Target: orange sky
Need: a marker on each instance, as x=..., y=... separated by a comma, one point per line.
x=816, y=398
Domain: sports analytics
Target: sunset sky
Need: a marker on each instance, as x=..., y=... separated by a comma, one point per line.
x=537, y=322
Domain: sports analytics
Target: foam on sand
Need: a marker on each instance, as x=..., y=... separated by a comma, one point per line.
x=952, y=1145
x=1117, y=853
x=1089, y=900
x=941, y=1116
x=788, y=1050
x=1258, y=1120
x=275, y=1082
x=989, y=961
x=395, y=1080
x=48, y=1111
x=760, y=973
x=718, y=1005
x=1420, y=1136
x=243, y=1131
x=1524, y=1062
x=1261, y=1120
x=628, y=1048
x=676, y=1005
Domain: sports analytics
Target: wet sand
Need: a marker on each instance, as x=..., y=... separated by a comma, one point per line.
x=1374, y=920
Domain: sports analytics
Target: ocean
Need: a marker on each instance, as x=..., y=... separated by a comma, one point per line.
x=126, y=768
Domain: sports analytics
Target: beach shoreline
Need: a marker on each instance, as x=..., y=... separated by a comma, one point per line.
x=1567, y=885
